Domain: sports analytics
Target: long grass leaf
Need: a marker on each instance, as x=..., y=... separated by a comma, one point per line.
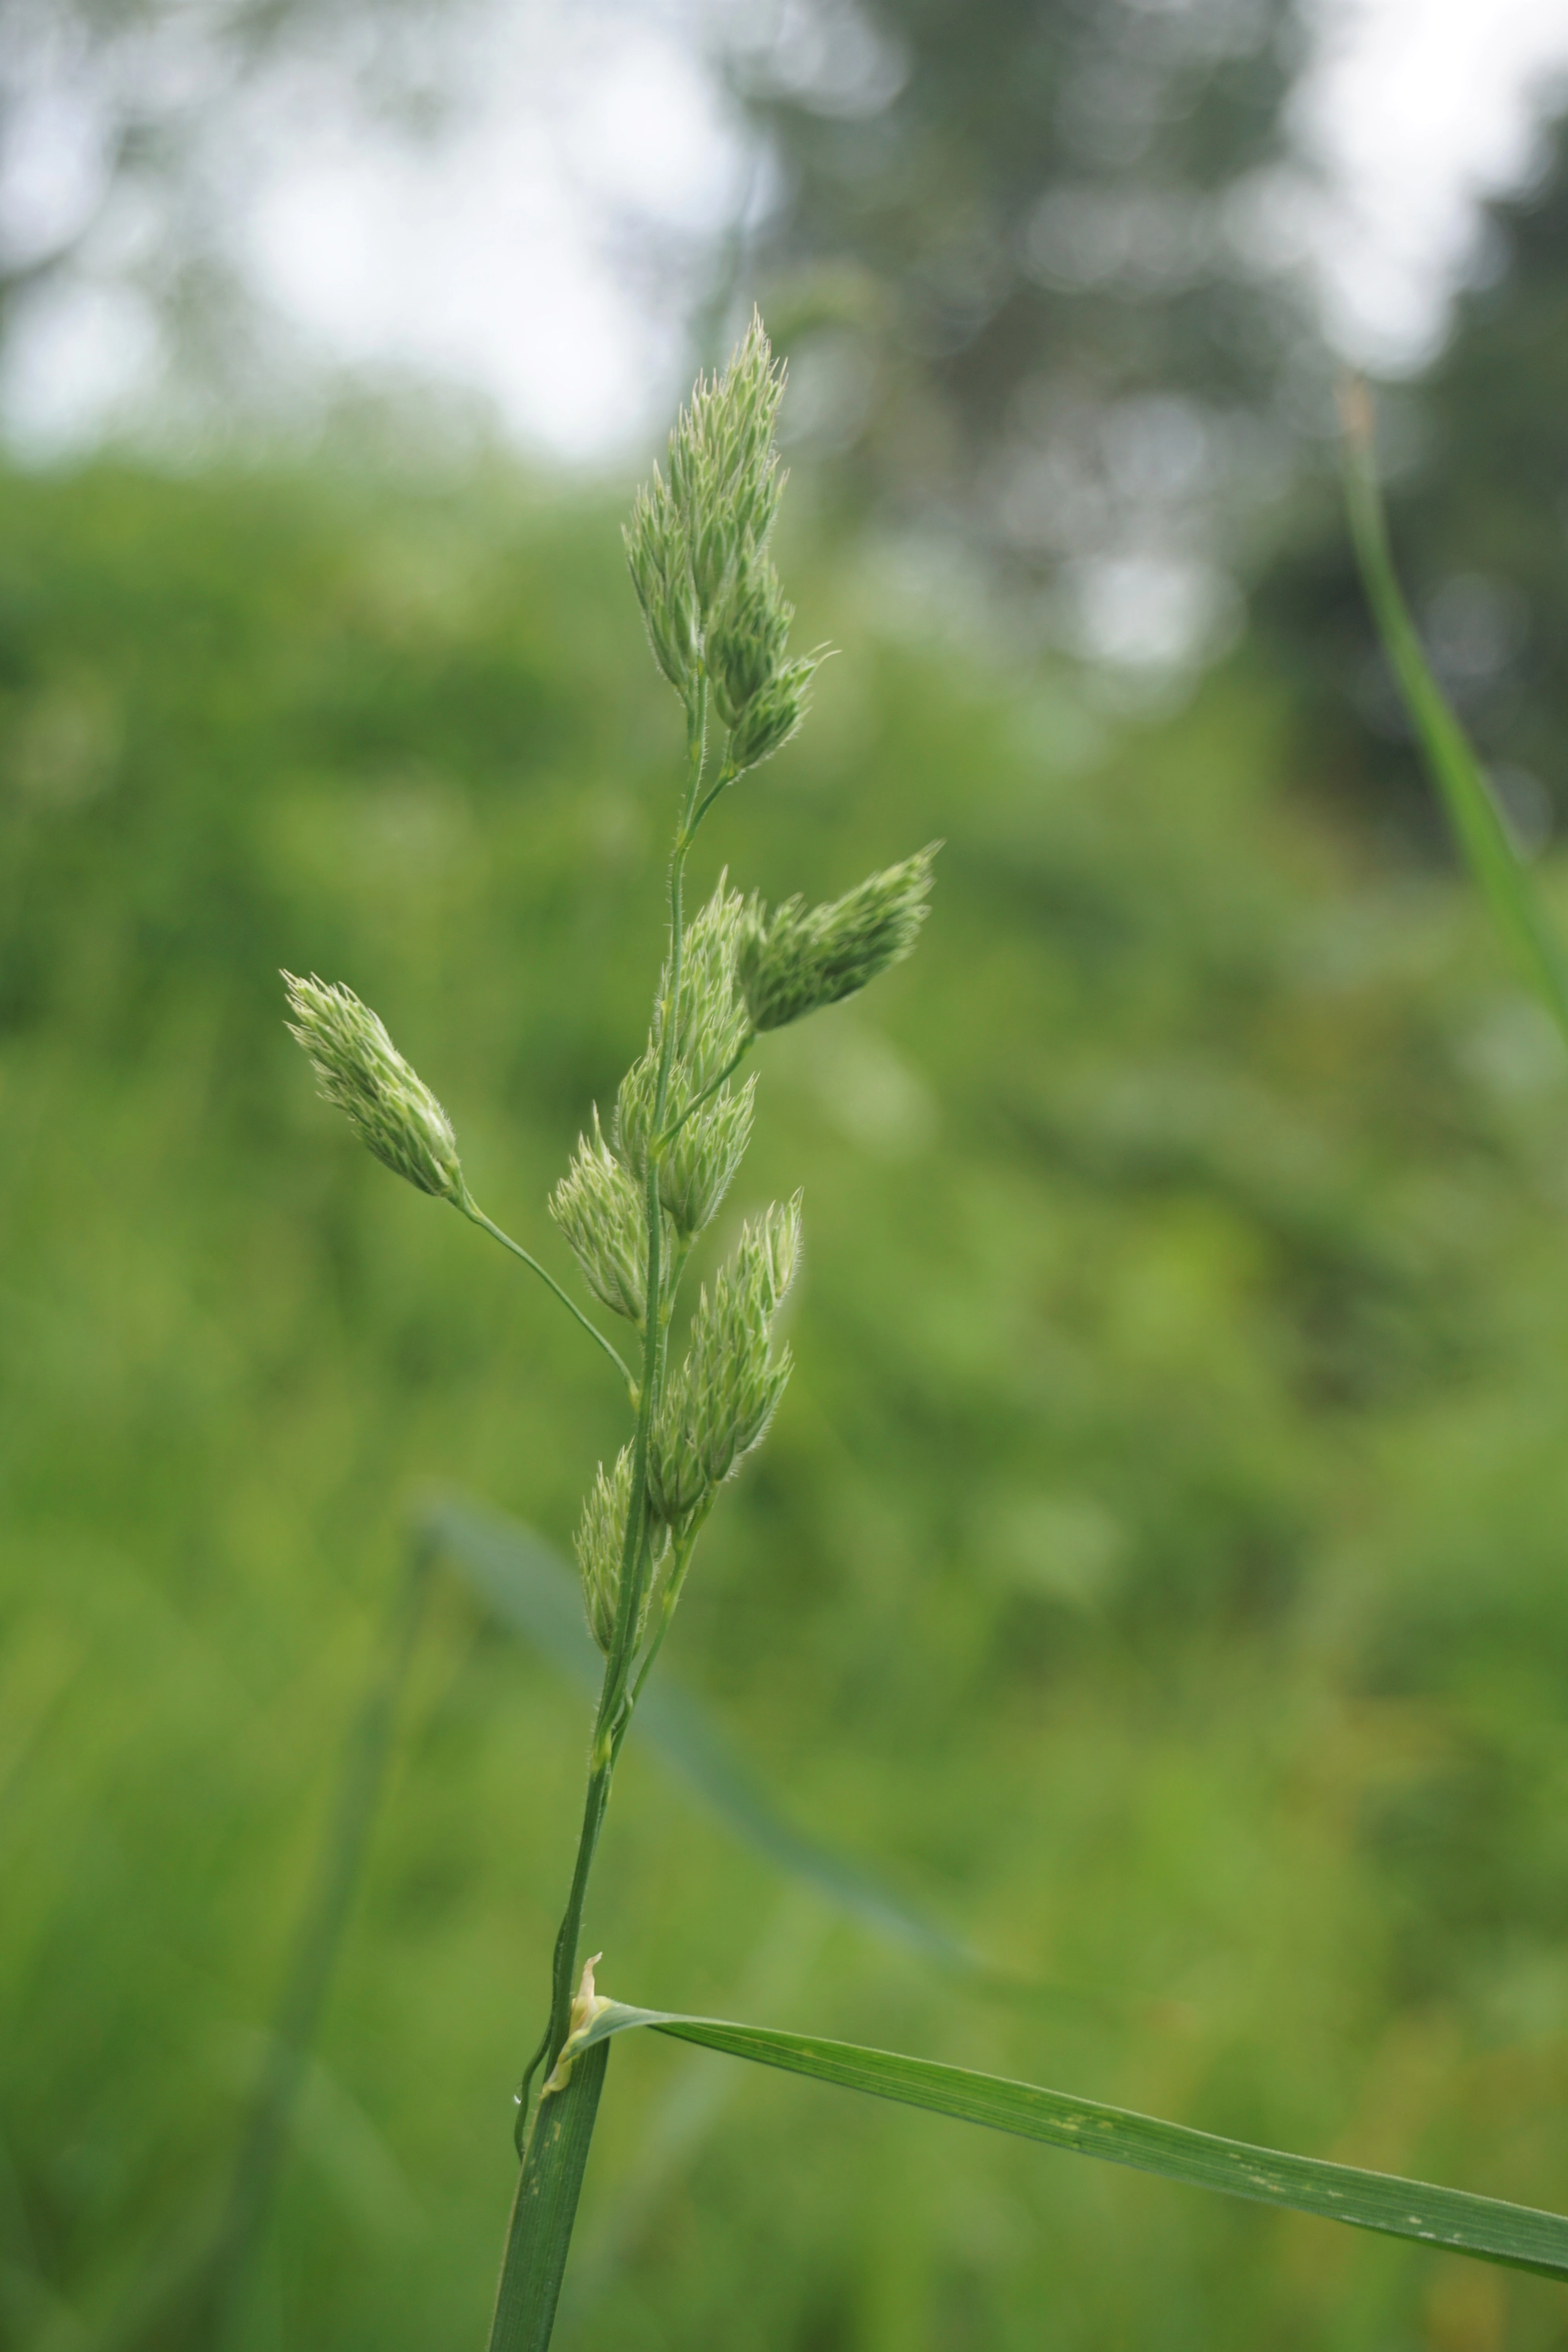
x=193, y=2295
x=1451, y=2219
x=1453, y=767
x=524, y=1582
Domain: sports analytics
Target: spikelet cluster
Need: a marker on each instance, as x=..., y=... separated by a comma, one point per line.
x=601, y=1212
x=599, y=1542
x=717, y=1407
x=698, y=549
x=361, y=1070
x=800, y=958
x=699, y=1163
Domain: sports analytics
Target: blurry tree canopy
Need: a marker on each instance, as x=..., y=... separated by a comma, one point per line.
x=1021, y=254
x=123, y=138
x=1479, y=511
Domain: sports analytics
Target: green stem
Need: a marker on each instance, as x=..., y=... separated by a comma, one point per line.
x=727, y=775
x=554, y=2142
x=475, y=1215
x=684, y=1549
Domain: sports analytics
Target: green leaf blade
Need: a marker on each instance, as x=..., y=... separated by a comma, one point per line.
x=1455, y=2221
x=1482, y=834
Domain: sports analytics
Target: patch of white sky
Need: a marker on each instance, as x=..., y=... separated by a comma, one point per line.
x=499, y=253
x=1414, y=112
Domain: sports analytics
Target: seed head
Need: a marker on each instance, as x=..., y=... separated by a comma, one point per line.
x=746, y=646
x=699, y=1164
x=800, y=958
x=773, y=716
x=362, y=1071
x=697, y=547
x=698, y=1167
x=717, y=1407
x=600, y=1549
x=658, y=558
x=600, y=1209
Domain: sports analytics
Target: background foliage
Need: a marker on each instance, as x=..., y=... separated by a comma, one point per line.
x=1155, y=1563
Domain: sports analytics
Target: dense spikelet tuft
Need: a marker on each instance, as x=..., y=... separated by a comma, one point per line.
x=697, y=548
x=662, y=575
x=717, y=1407
x=711, y=1026
x=800, y=958
x=746, y=646
x=768, y=721
x=600, y=1548
x=361, y=1070
x=600, y=1210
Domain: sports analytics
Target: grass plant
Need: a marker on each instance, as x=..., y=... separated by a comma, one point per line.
x=632, y=1206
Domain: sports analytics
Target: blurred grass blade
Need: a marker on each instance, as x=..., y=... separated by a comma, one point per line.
x=1451, y=2219
x=527, y=1585
x=546, y=2207
x=1455, y=770
x=193, y=2297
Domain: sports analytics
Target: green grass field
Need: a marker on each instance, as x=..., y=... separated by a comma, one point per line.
x=1157, y=1566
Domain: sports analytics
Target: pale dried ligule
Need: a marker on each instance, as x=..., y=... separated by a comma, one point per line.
x=600, y=1209
x=361, y=1072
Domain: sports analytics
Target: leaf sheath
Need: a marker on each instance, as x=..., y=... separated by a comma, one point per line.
x=539, y=2230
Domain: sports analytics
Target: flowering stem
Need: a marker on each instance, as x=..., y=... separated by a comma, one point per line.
x=663, y=1140
x=477, y=1216
x=614, y=1703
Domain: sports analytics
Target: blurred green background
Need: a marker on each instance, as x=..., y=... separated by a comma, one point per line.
x=1156, y=1563
x=1155, y=1569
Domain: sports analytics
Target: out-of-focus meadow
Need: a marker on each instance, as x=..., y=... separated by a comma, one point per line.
x=1157, y=1562
x=1156, y=1569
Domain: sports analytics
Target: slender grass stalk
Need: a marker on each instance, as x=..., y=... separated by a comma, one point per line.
x=477, y=1216
x=516, y=1575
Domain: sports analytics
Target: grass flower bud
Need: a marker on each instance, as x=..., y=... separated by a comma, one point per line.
x=746, y=646
x=717, y=1407
x=703, y=523
x=362, y=1071
x=710, y=1027
x=599, y=1545
x=698, y=1166
x=599, y=1208
x=800, y=958
x=662, y=575
x=766, y=724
